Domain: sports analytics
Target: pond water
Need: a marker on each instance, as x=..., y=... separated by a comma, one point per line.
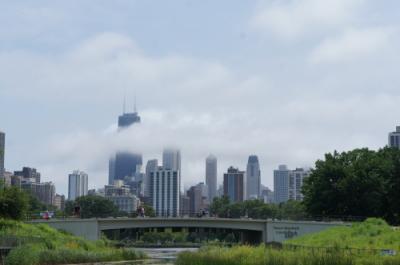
x=165, y=256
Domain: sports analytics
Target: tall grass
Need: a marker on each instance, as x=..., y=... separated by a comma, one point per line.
x=50, y=246
x=246, y=255
x=370, y=234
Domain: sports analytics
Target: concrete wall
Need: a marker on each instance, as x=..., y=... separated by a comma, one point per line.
x=86, y=228
x=271, y=231
x=279, y=231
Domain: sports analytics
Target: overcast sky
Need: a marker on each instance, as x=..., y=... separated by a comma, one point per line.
x=287, y=80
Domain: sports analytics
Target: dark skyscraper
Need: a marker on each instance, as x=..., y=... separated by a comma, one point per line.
x=127, y=119
x=2, y=152
x=235, y=185
x=125, y=163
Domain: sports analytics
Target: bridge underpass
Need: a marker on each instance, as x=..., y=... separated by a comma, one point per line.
x=253, y=230
x=195, y=234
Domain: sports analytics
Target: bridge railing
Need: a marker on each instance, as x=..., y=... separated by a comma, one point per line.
x=207, y=214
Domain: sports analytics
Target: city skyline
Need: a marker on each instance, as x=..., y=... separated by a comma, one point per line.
x=269, y=79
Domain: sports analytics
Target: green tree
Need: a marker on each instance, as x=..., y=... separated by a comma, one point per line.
x=149, y=211
x=291, y=210
x=220, y=206
x=360, y=182
x=14, y=203
x=96, y=206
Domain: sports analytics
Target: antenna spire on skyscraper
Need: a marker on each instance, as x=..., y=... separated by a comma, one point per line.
x=134, y=106
x=124, y=105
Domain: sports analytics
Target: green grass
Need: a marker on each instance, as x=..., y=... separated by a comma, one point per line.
x=371, y=234
x=329, y=247
x=247, y=255
x=41, y=244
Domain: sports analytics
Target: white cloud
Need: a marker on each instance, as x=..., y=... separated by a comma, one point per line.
x=352, y=44
x=202, y=106
x=294, y=18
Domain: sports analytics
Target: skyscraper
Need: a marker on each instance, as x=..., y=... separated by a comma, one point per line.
x=288, y=183
x=281, y=184
x=28, y=174
x=253, y=178
x=2, y=153
x=235, y=185
x=172, y=159
x=44, y=192
x=197, y=199
x=151, y=166
x=77, y=184
x=125, y=163
x=165, y=191
x=211, y=177
x=394, y=138
x=127, y=119
x=296, y=179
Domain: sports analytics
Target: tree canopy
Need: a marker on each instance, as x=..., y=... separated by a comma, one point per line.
x=360, y=182
x=92, y=206
x=14, y=203
x=256, y=209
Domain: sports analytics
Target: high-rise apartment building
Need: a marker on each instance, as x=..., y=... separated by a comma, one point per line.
x=253, y=178
x=2, y=153
x=165, y=191
x=394, y=138
x=59, y=202
x=151, y=166
x=288, y=183
x=197, y=199
x=296, y=179
x=44, y=192
x=77, y=184
x=281, y=184
x=28, y=174
x=211, y=177
x=235, y=184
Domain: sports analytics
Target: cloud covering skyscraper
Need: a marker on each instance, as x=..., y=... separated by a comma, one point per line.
x=125, y=163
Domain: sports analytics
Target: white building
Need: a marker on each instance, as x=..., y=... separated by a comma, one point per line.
x=394, y=138
x=172, y=159
x=151, y=166
x=165, y=191
x=296, y=178
x=77, y=184
x=211, y=177
x=253, y=178
x=288, y=183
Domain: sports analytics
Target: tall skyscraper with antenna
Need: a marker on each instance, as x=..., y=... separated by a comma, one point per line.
x=125, y=163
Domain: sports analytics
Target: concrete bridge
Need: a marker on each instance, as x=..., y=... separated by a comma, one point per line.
x=259, y=230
